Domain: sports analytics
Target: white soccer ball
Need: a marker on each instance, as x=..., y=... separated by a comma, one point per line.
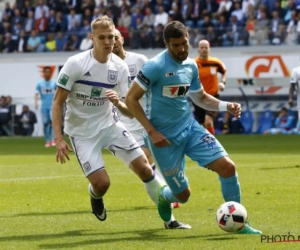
x=231, y=216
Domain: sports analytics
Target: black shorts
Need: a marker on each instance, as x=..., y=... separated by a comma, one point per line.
x=200, y=113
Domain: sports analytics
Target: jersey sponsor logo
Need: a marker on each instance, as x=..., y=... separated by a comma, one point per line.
x=209, y=140
x=143, y=78
x=266, y=66
x=173, y=91
x=87, y=74
x=96, y=92
x=63, y=79
x=112, y=76
x=132, y=69
x=47, y=91
x=170, y=74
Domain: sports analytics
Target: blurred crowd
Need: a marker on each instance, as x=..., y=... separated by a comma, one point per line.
x=64, y=25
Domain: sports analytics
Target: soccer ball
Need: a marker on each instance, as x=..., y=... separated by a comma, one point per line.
x=231, y=216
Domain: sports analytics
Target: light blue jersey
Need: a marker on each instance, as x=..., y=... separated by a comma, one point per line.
x=166, y=83
x=46, y=90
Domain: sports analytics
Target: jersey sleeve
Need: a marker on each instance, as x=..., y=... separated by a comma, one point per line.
x=124, y=82
x=68, y=75
x=293, y=79
x=147, y=76
x=221, y=67
x=196, y=85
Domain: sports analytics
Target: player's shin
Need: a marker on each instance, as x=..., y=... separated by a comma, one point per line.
x=231, y=188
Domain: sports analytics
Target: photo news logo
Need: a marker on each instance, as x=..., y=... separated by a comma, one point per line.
x=284, y=238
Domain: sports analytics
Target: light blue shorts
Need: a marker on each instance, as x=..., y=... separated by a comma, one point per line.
x=195, y=142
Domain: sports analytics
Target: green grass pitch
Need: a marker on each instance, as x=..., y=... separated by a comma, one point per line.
x=45, y=205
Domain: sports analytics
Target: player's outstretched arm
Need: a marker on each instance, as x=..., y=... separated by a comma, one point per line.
x=208, y=102
x=62, y=147
x=121, y=106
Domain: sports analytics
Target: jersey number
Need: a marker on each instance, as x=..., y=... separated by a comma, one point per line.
x=179, y=179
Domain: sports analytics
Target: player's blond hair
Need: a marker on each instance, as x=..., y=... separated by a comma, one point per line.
x=102, y=22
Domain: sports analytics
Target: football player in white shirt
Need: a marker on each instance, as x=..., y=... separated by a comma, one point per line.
x=135, y=63
x=86, y=83
x=294, y=87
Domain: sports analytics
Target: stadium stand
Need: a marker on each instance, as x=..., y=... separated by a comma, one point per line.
x=62, y=25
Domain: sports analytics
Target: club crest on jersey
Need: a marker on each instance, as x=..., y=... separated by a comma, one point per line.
x=209, y=140
x=112, y=76
x=132, y=69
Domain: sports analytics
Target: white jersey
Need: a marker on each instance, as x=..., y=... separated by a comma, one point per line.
x=88, y=109
x=135, y=63
x=295, y=79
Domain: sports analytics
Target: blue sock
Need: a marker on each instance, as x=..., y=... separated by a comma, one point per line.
x=231, y=188
x=168, y=195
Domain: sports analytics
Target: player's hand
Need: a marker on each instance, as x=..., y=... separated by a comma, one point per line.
x=221, y=86
x=235, y=109
x=112, y=96
x=159, y=140
x=62, y=149
x=291, y=102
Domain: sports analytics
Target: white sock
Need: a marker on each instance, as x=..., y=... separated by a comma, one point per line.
x=152, y=190
x=92, y=192
x=158, y=173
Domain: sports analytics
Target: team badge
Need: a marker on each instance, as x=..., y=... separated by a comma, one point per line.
x=86, y=167
x=112, y=76
x=209, y=140
x=132, y=69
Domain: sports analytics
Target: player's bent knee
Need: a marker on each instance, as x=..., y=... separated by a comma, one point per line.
x=184, y=196
x=140, y=166
x=100, y=182
x=100, y=187
x=228, y=168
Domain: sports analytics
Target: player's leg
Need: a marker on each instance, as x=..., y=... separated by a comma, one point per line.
x=46, y=122
x=53, y=143
x=209, y=121
x=88, y=153
x=127, y=149
x=170, y=161
x=208, y=152
x=138, y=136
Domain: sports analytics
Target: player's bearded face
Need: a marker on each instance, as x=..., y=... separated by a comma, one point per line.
x=179, y=48
x=103, y=39
x=118, y=44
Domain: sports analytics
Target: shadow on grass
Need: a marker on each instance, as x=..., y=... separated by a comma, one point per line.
x=280, y=168
x=85, y=212
x=110, y=237
x=145, y=235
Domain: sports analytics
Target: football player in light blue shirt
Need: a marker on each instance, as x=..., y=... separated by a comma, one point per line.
x=171, y=131
x=45, y=89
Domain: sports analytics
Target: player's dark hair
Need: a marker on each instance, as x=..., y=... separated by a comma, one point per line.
x=47, y=68
x=174, y=29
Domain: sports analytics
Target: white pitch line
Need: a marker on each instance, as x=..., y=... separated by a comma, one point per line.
x=128, y=172
x=40, y=178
